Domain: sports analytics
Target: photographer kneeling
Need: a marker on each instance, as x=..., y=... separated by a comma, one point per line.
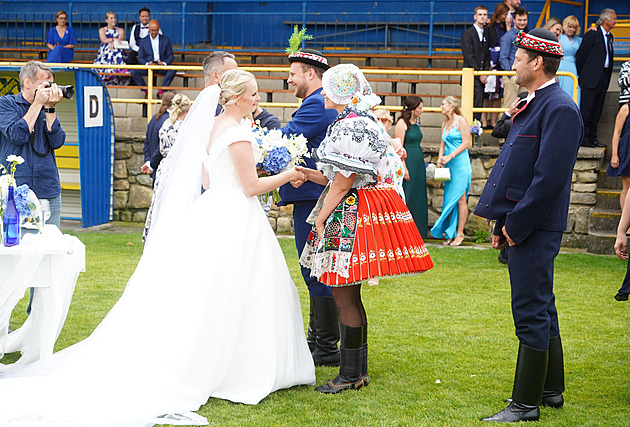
x=29, y=128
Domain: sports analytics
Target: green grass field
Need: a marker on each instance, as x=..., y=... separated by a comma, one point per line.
x=442, y=344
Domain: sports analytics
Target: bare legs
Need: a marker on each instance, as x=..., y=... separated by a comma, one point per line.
x=462, y=210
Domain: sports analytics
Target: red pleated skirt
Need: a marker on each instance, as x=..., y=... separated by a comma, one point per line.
x=386, y=243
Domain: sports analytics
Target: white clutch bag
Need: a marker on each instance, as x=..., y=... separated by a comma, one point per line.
x=437, y=174
x=442, y=174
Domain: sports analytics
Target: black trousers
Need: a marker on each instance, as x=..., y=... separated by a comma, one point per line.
x=592, y=104
x=478, y=98
x=531, y=278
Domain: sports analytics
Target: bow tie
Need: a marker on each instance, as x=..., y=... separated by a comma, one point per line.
x=143, y=28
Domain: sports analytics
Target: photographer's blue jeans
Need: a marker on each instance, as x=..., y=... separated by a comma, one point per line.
x=55, y=218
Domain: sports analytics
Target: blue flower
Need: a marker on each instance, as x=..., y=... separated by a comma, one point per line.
x=277, y=160
x=21, y=200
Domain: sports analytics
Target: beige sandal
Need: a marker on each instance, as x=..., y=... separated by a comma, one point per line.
x=457, y=240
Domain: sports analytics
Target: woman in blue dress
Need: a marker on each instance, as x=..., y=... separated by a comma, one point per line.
x=453, y=154
x=61, y=40
x=570, y=44
x=110, y=55
x=620, y=159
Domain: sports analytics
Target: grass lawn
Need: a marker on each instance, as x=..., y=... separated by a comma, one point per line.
x=442, y=345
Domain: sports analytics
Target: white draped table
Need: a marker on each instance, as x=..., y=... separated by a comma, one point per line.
x=50, y=263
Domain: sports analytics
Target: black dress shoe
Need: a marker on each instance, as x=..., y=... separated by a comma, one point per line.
x=621, y=296
x=515, y=412
x=592, y=144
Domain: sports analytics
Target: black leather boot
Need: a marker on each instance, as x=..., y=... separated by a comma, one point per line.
x=351, y=361
x=311, y=337
x=554, y=383
x=364, y=362
x=326, y=352
x=529, y=381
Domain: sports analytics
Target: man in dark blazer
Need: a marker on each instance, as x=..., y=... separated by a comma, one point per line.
x=527, y=193
x=476, y=53
x=311, y=119
x=154, y=50
x=594, y=62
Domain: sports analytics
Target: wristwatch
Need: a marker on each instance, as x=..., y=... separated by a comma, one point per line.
x=49, y=110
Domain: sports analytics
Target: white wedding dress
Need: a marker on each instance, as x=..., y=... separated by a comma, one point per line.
x=211, y=311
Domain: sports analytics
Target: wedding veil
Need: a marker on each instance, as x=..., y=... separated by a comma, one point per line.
x=180, y=180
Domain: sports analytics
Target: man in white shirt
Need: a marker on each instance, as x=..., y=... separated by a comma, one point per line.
x=594, y=62
x=138, y=32
x=154, y=50
x=476, y=53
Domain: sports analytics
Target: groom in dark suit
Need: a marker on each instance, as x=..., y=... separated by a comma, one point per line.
x=594, y=62
x=154, y=50
x=476, y=53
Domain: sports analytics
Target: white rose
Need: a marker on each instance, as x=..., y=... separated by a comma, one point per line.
x=13, y=158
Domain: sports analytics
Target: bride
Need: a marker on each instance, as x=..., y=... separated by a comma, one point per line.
x=210, y=292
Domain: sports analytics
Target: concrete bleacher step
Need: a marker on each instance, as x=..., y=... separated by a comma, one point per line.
x=604, y=220
x=601, y=242
x=608, y=182
x=607, y=198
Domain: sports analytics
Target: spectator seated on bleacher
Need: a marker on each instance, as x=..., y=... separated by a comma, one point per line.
x=61, y=40
x=154, y=50
x=109, y=54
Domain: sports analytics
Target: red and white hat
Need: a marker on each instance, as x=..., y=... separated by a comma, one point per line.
x=540, y=40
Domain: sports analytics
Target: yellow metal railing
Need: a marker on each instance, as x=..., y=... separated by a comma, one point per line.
x=546, y=10
x=467, y=78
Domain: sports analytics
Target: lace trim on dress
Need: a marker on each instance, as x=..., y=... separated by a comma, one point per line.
x=320, y=263
x=354, y=143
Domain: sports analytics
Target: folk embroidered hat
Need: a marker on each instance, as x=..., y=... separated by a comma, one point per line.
x=311, y=57
x=345, y=83
x=540, y=40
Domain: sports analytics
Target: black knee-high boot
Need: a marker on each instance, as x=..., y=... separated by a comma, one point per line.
x=554, y=383
x=326, y=352
x=364, y=358
x=351, y=359
x=311, y=336
x=529, y=381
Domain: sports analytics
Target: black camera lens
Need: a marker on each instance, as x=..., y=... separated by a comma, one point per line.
x=66, y=91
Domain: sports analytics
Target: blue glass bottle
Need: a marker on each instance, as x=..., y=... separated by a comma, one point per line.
x=11, y=221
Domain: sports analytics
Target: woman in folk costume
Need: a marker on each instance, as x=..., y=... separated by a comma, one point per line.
x=361, y=226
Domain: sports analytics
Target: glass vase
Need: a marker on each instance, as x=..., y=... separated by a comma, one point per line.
x=11, y=221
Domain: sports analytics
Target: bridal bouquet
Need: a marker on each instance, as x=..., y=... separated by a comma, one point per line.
x=279, y=152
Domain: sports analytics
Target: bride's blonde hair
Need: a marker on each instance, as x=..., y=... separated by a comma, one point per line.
x=233, y=83
x=180, y=104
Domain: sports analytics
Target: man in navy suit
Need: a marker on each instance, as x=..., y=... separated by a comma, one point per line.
x=527, y=193
x=476, y=52
x=311, y=119
x=594, y=62
x=154, y=50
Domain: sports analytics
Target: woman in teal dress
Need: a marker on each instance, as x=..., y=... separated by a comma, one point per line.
x=415, y=178
x=570, y=44
x=453, y=154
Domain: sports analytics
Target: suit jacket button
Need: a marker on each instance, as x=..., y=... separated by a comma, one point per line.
x=486, y=205
x=494, y=185
x=502, y=165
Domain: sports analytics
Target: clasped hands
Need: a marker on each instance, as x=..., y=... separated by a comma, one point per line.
x=299, y=177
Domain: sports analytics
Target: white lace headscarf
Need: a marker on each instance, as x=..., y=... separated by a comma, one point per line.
x=345, y=84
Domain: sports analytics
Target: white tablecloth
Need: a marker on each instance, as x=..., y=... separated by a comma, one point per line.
x=51, y=263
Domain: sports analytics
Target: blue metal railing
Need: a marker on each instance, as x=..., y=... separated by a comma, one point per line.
x=360, y=27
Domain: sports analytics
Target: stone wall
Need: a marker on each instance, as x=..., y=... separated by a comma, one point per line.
x=583, y=190
x=133, y=189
